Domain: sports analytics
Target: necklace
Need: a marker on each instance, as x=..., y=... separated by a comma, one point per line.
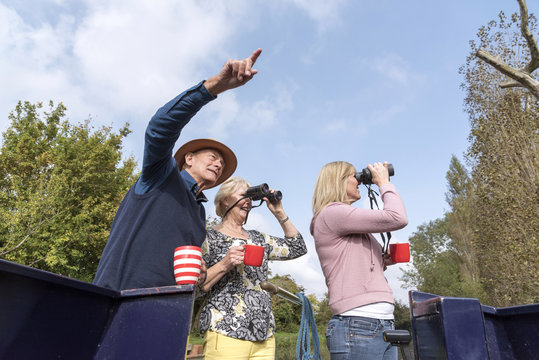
x=235, y=232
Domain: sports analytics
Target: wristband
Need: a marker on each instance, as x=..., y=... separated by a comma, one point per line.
x=283, y=220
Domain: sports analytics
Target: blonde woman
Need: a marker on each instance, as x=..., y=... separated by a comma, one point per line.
x=238, y=320
x=351, y=259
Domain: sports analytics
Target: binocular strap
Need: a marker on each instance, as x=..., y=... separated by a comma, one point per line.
x=372, y=198
x=236, y=203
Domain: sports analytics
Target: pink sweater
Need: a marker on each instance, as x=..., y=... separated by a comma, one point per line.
x=350, y=256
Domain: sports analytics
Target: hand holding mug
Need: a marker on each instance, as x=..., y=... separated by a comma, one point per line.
x=234, y=256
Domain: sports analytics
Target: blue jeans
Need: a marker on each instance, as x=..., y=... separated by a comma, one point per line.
x=356, y=337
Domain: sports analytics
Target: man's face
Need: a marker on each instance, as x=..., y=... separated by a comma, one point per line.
x=205, y=166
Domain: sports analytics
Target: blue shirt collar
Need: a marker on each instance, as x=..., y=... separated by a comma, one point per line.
x=193, y=186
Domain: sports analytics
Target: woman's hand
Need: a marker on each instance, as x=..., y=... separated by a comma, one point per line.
x=203, y=273
x=278, y=211
x=233, y=257
x=380, y=174
x=275, y=208
x=388, y=261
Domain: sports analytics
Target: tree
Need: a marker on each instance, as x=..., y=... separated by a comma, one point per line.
x=323, y=314
x=287, y=314
x=60, y=186
x=402, y=316
x=504, y=158
x=460, y=197
x=519, y=76
x=444, y=260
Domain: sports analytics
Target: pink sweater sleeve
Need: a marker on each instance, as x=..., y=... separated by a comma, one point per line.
x=344, y=219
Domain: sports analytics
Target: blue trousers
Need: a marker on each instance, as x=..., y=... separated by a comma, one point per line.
x=356, y=337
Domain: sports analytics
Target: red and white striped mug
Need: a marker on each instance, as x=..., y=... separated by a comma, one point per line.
x=187, y=263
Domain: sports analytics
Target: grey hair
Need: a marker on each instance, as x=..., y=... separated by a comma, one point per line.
x=227, y=189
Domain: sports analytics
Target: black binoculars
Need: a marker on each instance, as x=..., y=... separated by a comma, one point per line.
x=365, y=176
x=261, y=191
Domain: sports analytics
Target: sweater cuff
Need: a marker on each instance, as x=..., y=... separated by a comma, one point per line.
x=387, y=187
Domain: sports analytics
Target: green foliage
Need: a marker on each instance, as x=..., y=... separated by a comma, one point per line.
x=60, y=186
x=285, y=346
x=323, y=313
x=287, y=314
x=435, y=264
x=402, y=317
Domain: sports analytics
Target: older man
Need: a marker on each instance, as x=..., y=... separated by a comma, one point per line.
x=163, y=209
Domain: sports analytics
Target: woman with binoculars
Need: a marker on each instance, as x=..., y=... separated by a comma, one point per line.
x=352, y=262
x=237, y=319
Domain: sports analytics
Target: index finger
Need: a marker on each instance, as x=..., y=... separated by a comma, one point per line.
x=254, y=56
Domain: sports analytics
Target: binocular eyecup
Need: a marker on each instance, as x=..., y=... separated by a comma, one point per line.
x=365, y=176
x=261, y=191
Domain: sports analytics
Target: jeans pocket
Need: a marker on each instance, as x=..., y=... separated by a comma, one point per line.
x=330, y=329
x=336, y=337
x=365, y=328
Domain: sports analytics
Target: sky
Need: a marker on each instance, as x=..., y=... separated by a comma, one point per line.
x=358, y=81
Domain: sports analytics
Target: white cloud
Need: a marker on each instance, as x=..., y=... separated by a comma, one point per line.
x=137, y=52
x=393, y=67
x=325, y=13
x=119, y=59
x=225, y=117
x=121, y=51
x=336, y=126
x=289, y=149
x=116, y=60
x=31, y=63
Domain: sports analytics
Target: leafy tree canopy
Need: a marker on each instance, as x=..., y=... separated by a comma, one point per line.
x=60, y=186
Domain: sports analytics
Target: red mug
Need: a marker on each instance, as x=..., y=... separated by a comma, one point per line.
x=400, y=253
x=253, y=255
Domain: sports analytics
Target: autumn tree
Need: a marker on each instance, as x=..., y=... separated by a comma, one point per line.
x=517, y=75
x=444, y=260
x=504, y=159
x=60, y=186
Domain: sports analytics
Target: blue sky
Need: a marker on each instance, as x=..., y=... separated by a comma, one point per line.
x=359, y=81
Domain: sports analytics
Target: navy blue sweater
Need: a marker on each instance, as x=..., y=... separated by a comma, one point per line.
x=160, y=212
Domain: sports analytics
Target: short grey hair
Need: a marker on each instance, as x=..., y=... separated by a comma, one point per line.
x=227, y=189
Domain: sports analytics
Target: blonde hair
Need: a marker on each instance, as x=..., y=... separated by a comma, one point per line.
x=331, y=184
x=227, y=189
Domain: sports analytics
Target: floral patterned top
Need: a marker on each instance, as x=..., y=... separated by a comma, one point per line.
x=237, y=305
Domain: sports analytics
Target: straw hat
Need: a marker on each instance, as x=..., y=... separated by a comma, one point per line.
x=199, y=144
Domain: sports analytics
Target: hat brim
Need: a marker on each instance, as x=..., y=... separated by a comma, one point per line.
x=200, y=144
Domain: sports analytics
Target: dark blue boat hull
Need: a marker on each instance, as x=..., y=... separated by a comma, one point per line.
x=47, y=316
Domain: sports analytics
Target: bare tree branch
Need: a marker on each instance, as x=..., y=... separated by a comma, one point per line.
x=532, y=43
x=522, y=77
x=509, y=84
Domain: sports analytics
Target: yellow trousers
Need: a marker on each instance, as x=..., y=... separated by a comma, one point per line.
x=219, y=347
